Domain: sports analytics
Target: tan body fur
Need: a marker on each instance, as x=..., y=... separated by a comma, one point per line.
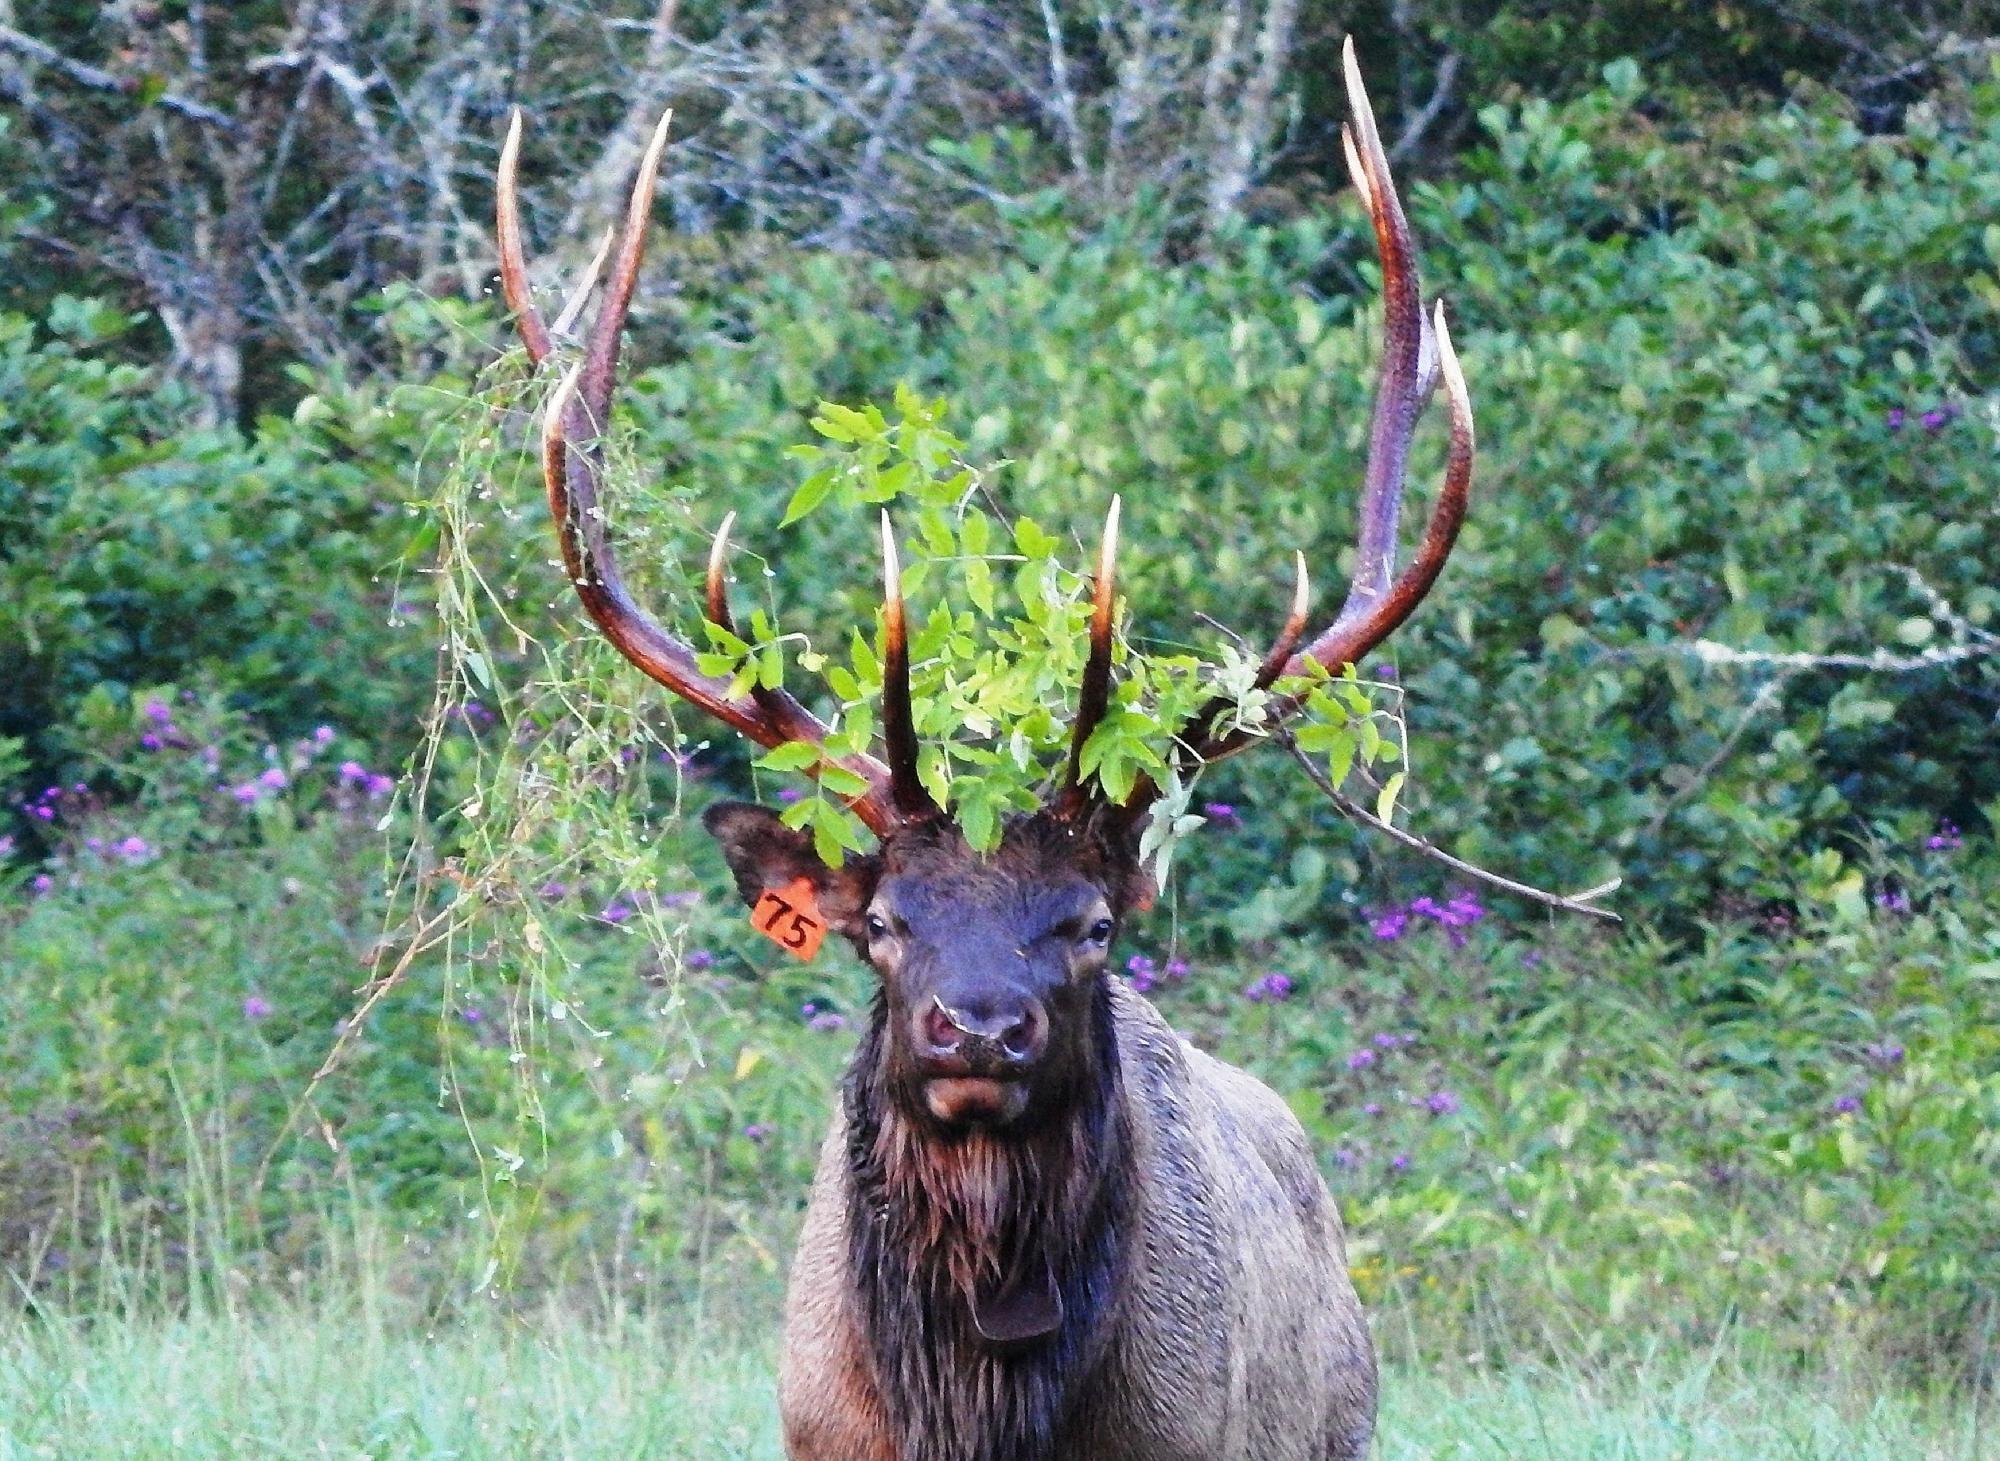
x=1237, y=1337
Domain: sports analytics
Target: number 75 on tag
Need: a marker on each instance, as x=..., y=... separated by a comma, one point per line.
x=790, y=918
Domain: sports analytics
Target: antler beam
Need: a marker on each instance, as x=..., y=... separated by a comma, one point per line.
x=573, y=466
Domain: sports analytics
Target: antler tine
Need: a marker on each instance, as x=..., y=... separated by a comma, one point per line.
x=718, y=591
x=899, y=723
x=1398, y=392
x=600, y=358
x=1094, y=697
x=1294, y=630
x=513, y=261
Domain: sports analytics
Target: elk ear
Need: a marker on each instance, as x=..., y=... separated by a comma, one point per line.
x=764, y=854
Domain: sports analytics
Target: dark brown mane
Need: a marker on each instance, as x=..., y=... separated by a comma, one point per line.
x=936, y=1216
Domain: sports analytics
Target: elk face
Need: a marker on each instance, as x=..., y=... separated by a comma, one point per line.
x=988, y=962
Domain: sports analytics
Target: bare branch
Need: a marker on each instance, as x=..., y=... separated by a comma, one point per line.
x=96, y=79
x=1584, y=902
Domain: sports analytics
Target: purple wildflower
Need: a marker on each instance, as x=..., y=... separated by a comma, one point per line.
x=472, y=1014
x=758, y=1131
x=1947, y=838
x=1389, y=926
x=1532, y=958
x=42, y=811
x=274, y=780
x=159, y=712
x=134, y=850
x=1897, y=416
x=615, y=912
x=1386, y=1041
x=1847, y=1105
x=256, y=1007
x=789, y=794
x=353, y=771
x=322, y=735
x=826, y=1022
x=553, y=889
x=1934, y=421
x=1373, y=1108
x=380, y=786
x=1462, y=910
x=6, y=845
x=150, y=742
x=1442, y=1103
x=699, y=959
x=1893, y=901
x=42, y=883
x=1885, y=1053
x=1271, y=989
x=1176, y=969
x=247, y=792
x=1361, y=1059
x=1344, y=1157
x=1400, y=1161
x=1222, y=813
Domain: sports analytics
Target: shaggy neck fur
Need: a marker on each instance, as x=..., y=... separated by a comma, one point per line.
x=936, y=1217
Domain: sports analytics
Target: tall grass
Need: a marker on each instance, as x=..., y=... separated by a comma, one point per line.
x=360, y=1374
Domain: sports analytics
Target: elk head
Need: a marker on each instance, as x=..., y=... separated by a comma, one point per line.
x=988, y=961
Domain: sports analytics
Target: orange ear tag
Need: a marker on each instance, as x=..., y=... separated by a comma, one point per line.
x=791, y=919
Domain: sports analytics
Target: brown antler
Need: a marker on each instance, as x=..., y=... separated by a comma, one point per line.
x=1413, y=359
x=1094, y=695
x=572, y=459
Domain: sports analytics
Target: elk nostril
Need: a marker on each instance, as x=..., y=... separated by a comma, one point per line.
x=1024, y=1038
x=941, y=1032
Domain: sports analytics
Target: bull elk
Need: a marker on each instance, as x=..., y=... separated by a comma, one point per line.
x=1043, y=1228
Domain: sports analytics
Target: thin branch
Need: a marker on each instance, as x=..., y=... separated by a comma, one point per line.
x=1968, y=642
x=1769, y=695
x=1584, y=902
x=1426, y=118
x=97, y=79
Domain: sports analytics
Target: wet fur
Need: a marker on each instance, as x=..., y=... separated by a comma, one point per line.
x=935, y=1217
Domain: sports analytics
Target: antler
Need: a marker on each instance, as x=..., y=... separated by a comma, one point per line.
x=573, y=464
x=1415, y=355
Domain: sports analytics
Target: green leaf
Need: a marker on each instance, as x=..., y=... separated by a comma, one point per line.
x=1385, y=803
x=811, y=493
x=791, y=756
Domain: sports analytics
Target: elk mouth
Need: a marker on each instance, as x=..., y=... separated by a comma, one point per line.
x=975, y=1100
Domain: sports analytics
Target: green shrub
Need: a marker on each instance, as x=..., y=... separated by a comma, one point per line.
x=136, y=551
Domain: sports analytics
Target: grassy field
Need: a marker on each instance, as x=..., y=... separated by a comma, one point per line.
x=351, y=1382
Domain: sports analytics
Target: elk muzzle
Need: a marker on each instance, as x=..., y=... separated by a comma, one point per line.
x=975, y=1055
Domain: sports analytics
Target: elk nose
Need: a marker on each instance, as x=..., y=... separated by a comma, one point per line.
x=1010, y=1034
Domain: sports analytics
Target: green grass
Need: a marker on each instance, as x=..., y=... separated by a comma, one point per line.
x=354, y=1381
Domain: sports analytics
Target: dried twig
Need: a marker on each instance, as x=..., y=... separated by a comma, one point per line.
x=95, y=78
x=1584, y=902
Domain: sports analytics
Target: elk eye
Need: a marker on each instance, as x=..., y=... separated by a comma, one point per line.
x=1100, y=932
x=876, y=927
